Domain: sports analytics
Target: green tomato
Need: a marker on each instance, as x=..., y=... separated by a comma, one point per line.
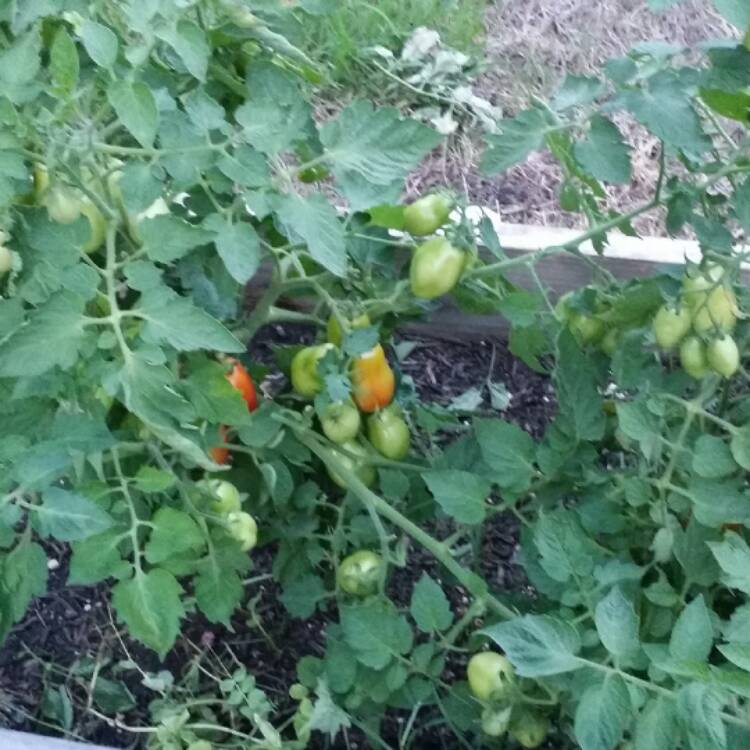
x=389, y=434
x=723, y=356
x=562, y=308
x=6, y=260
x=491, y=676
x=693, y=357
x=97, y=226
x=364, y=471
x=610, y=342
x=242, y=527
x=530, y=729
x=316, y=173
x=63, y=204
x=359, y=574
x=340, y=421
x=436, y=268
x=495, y=721
x=427, y=214
x=694, y=287
x=671, y=325
x=333, y=327
x=227, y=496
x=586, y=328
x=717, y=311
x=305, y=378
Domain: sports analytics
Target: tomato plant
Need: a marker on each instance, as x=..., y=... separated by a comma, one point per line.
x=154, y=160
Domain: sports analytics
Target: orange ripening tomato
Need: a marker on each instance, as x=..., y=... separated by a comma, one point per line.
x=373, y=380
x=241, y=379
x=219, y=454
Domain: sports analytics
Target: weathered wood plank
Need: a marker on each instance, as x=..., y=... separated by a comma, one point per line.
x=23, y=741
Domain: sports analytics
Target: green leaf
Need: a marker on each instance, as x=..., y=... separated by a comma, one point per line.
x=167, y=238
x=314, y=221
x=190, y=43
x=665, y=109
x=218, y=592
x=149, y=604
x=326, y=716
x=377, y=146
x=429, y=606
x=734, y=105
x=149, y=479
x=692, y=635
x=716, y=503
x=618, y=624
x=68, y=516
x=577, y=91
x=733, y=556
x=564, y=548
x=64, y=64
x=693, y=553
x=172, y=533
x=737, y=12
x=656, y=726
x=24, y=576
x=712, y=458
x=174, y=320
x=740, y=447
x=136, y=109
x=603, y=714
x=659, y=6
x=376, y=632
x=238, y=246
x=639, y=424
x=519, y=136
x=538, y=645
x=699, y=713
x=276, y=113
x=460, y=494
x=508, y=451
x=737, y=653
x=99, y=42
x=52, y=338
x=301, y=597
x=139, y=187
x=742, y=204
x=19, y=67
x=604, y=155
x=98, y=558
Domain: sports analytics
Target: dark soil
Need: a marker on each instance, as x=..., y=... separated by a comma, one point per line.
x=70, y=623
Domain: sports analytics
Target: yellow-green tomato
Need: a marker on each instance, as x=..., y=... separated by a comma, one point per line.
x=693, y=357
x=695, y=285
x=610, y=342
x=586, y=328
x=495, y=721
x=242, y=527
x=723, y=356
x=530, y=729
x=436, y=268
x=6, y=260
x=97, y=226
x=718, y=311
x=63, y=204
x=333, y=327
x=427, y=214
x=340, y=421
x=671, y=325
x=305, y=378
x=491, y=676
x=360, y=466
x=359, y=574
x=389, y=434
x=226, y=496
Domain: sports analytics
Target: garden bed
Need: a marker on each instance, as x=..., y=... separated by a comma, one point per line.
x=70, y=624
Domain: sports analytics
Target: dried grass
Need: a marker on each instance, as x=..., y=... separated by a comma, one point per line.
x=531, y=46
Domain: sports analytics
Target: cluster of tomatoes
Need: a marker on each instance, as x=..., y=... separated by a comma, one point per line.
x=701, y=324
x=492, y=680
x=373, y=386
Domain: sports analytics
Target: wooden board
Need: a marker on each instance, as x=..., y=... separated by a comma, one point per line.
x=23, y=741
